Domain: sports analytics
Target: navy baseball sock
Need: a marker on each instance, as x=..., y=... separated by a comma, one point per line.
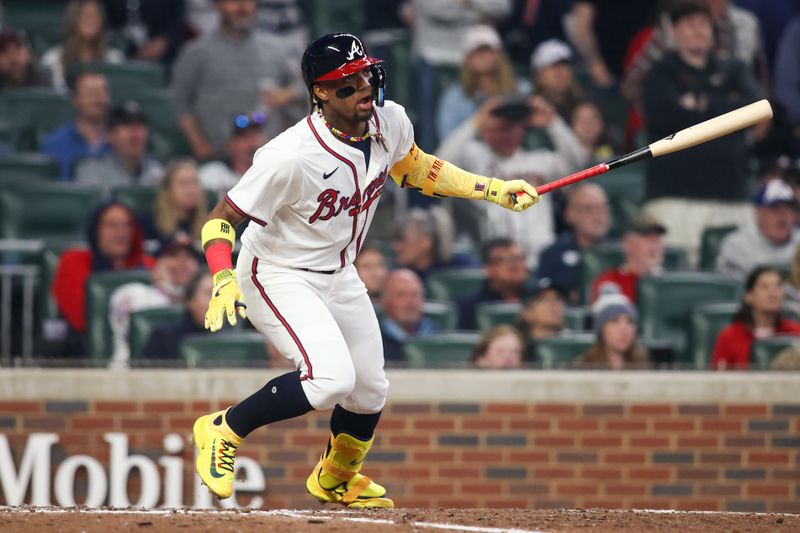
x=359, y=426
x=281, y=398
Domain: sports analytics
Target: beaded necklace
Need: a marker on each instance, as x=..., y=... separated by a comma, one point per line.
x=341, y=134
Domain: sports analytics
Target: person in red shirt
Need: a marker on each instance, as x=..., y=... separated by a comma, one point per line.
x=643, y=245
x=115, y=243
x=759, y=316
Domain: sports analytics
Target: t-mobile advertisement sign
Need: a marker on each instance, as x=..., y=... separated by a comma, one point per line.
x=32, y=476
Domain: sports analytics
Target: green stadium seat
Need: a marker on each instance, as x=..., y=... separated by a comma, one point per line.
x=28, y=166
x=143, y=323
x=575, y=318
x=443, y=314
x=765, y=350
x=666, y=302
x=491, y=314
x=601, y=257
x=453, y=349
x=42, y=210
x=230, y=349
x=710, y=244
x=140, y=199
x=129, y=79
x=452, y=283
x=42, y=20
x=707, y=320
x=342, y=15
x=34, y=113
x=627, y=182
x=166, y=139
x=559, y=352
x=99, y=289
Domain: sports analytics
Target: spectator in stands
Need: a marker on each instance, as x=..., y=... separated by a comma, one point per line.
x=506, y=273
x=771, y=240
x=115, y=242
x=787, y=360
x=437, y=31
x=246, y=136
x=615, y=347
x=760, y=316
x=85, y=135
x=84, y=42
x=372, y=268
x=542, y=317
x=705, y=186
x=176, y=264
x=128, y=163
x=643, y=244
x=165, y=340
x=17, y=66
x=601, y=30
x=589, y=219
x=424, y=242
x=791, y=288
x=590, y=128
x=787, y=71
x=218, y=77
x=401, y=301
x=531, y=23
x=485, y=71
x=491, y=144
x=153, y=29
x=737, y=36
x=181, y=204
x=500, y=347
x=552, y=76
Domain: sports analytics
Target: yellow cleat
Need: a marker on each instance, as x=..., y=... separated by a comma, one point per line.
x=217, y=444
x=336, y=478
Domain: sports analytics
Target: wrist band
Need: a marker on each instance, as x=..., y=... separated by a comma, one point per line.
x=218, y=228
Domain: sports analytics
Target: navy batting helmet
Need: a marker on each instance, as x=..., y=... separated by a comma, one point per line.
x=338, y=55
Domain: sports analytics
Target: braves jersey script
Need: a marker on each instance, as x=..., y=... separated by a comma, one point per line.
x=311, y=197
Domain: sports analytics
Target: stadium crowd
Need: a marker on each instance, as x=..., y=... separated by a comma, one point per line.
x=124, y=122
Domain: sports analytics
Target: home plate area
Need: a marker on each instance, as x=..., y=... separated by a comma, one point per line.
x=393, y=520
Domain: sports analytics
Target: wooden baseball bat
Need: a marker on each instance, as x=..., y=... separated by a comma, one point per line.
x=735, y=120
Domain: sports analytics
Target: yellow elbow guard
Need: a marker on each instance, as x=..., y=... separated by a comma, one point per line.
x=217, y=228
x=436, y=177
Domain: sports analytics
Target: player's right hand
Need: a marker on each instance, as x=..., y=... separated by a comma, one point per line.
x=507, y=194
x=226, y=300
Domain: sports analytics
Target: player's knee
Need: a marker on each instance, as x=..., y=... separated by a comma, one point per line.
x=332, y=390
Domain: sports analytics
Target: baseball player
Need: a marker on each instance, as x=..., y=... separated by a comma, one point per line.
x=310, y=196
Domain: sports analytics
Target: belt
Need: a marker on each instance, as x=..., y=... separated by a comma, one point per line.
x=318, y=271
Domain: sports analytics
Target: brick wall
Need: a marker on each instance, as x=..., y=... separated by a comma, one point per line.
x=708, y=456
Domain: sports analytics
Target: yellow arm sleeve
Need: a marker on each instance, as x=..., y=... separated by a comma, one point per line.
x=436, y=177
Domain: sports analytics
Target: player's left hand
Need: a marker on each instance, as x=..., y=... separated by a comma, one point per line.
x=506, y=194
x=226, y=300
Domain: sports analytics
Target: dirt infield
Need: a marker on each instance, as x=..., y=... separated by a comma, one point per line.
x=395, y=521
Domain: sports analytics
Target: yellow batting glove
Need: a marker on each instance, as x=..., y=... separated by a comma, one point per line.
x=226, y=299
x=504, y=193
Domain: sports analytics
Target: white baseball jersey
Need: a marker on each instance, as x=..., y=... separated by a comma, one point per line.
x=311, y=197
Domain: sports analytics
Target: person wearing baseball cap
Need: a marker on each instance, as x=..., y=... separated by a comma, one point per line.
x=771, y=240
x=247, y=135
x=552, y=76
x=128, y=164
x=615, y=319
x=485, y=72
x=643, y=244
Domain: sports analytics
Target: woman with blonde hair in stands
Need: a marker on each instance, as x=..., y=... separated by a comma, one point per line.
x=181, y=204
x=615, y=347
x=485, y=71
x=500, y=347
x=84, y=42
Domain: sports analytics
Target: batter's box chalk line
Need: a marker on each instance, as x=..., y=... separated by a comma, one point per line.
x=286, y=513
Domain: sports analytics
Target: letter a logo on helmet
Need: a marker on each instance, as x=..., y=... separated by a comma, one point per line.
x=355, y=50
x=335, y=56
